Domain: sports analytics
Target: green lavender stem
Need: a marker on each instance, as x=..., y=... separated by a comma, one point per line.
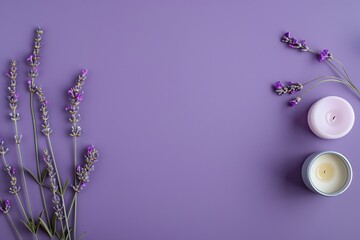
x=73, y=202
x=75, y=182
x=22, y=169
x=14, y=226
x=36, y=143
x=22, y=207
x=338, y=80
x=60, y=184
x=343, y=73
x=16, y=194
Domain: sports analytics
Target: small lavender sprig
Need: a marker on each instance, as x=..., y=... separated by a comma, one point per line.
x=46, y=130
x=75, y=97
x=11, y=171
x=83, y=172
x=15, y=117
x=34, y=59
x=324, y=55
x=13, y=94
x=34, y=62
x=13, y=189
x=5, y=206
x=291, y=88
x=294, y=43
x=58, y=206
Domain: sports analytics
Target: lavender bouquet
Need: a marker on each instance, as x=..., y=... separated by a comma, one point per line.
x=56, y=219
x=323, y=56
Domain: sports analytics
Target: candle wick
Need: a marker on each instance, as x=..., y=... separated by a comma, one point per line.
x=333, y=117
x=324, y=171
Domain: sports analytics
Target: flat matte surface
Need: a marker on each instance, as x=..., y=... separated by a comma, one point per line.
x=194, y=143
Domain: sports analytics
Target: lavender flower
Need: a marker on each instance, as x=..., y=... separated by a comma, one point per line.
x=58, y=207
x=11, y=172
x=291, y=88
x=294, y=101
x=278, y=85
x=83, y=173
x=294, y=43
x=13, y=98
x=5, y=206
x=76, y=96
x=13, y=94
x=34, y=59
x=46, y=130
x=3, y=149
x=324, y=55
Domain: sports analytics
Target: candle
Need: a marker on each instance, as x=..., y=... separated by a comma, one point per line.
x=331, y=117
x=327, y=173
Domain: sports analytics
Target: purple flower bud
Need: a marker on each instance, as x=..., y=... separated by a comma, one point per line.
x=83, y=185
x=16, y=96
x=294, y=43
x=324, y=55
x=304, y=46
x=5, y=206
x=278, y=85
x=286, y=37
x=71, y=92
x=90, y=149
x=30, y=58
x=294, y=101
x=84, y=71
x=79, y=97
x=12, y=171
x=78, y=168
x=7, y=203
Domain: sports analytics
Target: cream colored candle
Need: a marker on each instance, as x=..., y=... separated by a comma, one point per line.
x=327, y=173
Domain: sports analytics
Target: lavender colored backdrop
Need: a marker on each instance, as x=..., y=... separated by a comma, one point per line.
x=194, y=144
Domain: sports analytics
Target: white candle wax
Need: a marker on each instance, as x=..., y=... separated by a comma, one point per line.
x=327, y=173
x=331, y=117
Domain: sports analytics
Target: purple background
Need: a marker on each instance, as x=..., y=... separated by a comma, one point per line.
x=194, y=143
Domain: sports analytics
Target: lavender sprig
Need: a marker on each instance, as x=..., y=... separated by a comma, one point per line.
x=13, y=94
x=15, y=117
x=294, y=43
x=34, y=62
x=83, y=172
x=324, y=55
x=34, y=59
x=75, y=97
x=58, y=206
x=13, y=189
x=5, y=206
x=46, y=130
x=291, y=88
